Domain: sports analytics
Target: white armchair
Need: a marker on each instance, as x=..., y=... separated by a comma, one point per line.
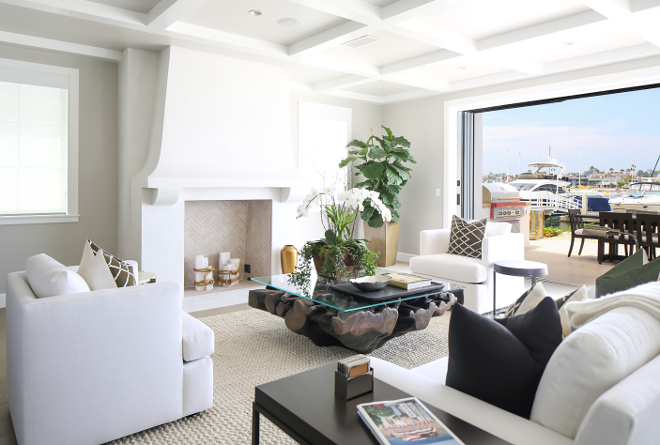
x=476, y=274
x=89, y=367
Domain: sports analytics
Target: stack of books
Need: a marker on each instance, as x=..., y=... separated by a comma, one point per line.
x=408, y=282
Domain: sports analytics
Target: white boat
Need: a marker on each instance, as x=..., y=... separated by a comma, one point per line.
x=545, y=190
x=641, y=196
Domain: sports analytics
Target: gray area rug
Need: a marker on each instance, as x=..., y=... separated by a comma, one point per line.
x=254, y=347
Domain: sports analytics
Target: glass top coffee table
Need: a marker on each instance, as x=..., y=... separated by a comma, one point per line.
x=329, y=317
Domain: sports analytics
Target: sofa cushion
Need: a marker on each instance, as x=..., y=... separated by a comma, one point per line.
x=501, y=361
x=466, y=237
x=527, y=301
x=49, y=278
x=497, y=228
x=589, y=362
x=454, y=267
x=197, y=338
x=435, y=370
x=629, y=273
x=95, y=270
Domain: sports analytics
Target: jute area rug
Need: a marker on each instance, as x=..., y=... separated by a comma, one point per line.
x=254, y=347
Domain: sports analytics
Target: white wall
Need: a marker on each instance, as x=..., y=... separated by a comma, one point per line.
x=423, y=123
x=97, y=188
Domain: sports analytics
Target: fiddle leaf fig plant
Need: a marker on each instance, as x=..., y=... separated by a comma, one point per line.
x=383, y=166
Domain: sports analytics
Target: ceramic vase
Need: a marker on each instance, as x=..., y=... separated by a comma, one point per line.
x=289, y=257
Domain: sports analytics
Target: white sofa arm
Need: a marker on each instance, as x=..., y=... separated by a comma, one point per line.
x=120, y=348
x=627, y=413
x=433, y=241
x=503, y=247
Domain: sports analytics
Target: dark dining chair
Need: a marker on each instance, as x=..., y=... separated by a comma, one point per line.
x=623, y=222
x=648, y=233
x=577, y=229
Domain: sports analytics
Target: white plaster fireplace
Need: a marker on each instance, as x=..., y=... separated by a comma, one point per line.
x=201, y=127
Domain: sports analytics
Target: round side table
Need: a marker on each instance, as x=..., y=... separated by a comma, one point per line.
x=517, y=268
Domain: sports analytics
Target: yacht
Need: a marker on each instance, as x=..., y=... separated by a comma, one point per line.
x=641, y=196
x=532, y=182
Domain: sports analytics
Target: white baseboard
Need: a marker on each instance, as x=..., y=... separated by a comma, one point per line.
x=405, y=257
x=3, y=300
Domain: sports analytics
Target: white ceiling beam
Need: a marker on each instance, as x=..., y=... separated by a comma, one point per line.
x=409, y=9
x=418, y=79
x=85, y=10
x=610, y=8
x=417, y=62
x=341, y=82
x=227, y=40
x=491, y=79
x=356, y=96
x=540, y=30
x=604, y=58
x=433, y=35
x=168, y=12
x=60, y=46
x=620, y=13
x=328, y=39
x=354, y=10
x=408, y=95
x=644, y=5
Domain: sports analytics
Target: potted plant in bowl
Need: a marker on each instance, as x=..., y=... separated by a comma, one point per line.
x=338, y=254
x=383, y=166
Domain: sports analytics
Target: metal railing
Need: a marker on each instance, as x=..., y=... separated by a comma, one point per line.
x=549, y=200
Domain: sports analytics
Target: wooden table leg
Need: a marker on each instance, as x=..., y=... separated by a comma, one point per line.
x=255, y=425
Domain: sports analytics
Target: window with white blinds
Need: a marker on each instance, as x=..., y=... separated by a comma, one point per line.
x=38, y=152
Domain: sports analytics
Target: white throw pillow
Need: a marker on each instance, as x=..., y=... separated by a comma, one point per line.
x=578, y=295
x=527, y=301
x=95, y=270
x=590, y=361
x=49, y=278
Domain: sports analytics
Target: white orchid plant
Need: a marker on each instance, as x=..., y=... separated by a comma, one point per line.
x=339, y=210
x=339, y=254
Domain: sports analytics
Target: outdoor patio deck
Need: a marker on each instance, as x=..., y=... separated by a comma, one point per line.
x=578, y=269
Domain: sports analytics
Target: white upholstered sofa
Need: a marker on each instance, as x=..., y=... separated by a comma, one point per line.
x=600, y=387
x=475, y=274
x=89, y=367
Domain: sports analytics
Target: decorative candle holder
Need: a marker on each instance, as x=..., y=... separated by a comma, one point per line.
x=229, y=274
x=204, y=278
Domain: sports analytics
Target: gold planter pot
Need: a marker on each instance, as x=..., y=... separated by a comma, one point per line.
x=385, y=241
x=289, y=258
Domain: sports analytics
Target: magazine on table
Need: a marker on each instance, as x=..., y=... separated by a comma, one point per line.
x=405, y=421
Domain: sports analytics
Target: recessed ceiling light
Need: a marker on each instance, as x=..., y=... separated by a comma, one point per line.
x=460, y=67
x=380, y=85
x=289, y=23
x=567, y=43
x=255, y=12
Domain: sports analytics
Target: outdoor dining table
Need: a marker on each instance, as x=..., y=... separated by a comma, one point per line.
x=613, y=247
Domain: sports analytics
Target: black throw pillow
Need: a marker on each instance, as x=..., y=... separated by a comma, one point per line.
x=501, y=361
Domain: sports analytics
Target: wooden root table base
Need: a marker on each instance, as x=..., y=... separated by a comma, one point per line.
x=362, y=330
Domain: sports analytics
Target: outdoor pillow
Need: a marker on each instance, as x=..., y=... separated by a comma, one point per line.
x=501, y=361
x=631, y=272
x=465, y=238
x=122, y=272
x=527, y=301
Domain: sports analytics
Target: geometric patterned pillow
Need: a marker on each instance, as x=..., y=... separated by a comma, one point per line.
x=466, y=237
x=122, y=272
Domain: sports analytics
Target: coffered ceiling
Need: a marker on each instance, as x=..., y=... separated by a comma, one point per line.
x=415, y=48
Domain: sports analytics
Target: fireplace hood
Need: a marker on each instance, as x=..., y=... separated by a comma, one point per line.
x=219, y=122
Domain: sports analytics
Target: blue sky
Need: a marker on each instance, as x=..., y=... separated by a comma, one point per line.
x=612, y=131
